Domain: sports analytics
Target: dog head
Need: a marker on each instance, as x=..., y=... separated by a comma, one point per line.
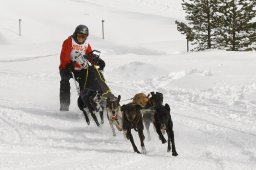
x=91, y=97
x=97, y=98
x=113, y=106
x=140, y=99
x=156, y=99
x=162, y=115
x=132, y=112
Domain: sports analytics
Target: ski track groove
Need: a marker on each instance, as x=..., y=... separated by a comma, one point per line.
x=218, y=160
x=27, y=58
x=214, y=124
x=16, y=133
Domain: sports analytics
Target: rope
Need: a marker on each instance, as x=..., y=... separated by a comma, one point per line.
x=127, y=99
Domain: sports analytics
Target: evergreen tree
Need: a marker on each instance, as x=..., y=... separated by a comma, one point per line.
x=201, y=18
x=225, y=24
x=253, y=36
x=237, y=29
x=184, y=29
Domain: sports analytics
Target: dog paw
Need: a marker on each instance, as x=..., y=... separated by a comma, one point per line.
x=102, y=122
x=88, y=122
x=174, y=154
x=137, y=151
x=163, y=141
x=143, y=150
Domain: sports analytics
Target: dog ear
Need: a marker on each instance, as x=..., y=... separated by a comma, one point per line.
x=152, y=93
x=138, y=107
x=118, y=98
x=158, y=93
x=123, y=107
x=161, y=97
x=167, y=107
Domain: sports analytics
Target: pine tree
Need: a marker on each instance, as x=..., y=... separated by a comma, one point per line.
x=224, y=24
x=237, y=29
x=201, y=21
x=250, y=9
x=184, y=29
x=253, y=36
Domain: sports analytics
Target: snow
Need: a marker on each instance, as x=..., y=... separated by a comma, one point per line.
x=212, y=94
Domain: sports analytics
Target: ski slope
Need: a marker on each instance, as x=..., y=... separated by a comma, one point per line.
x=212, y=94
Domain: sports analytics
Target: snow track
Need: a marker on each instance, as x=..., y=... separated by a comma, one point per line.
x=9, y=133
x=22, y=59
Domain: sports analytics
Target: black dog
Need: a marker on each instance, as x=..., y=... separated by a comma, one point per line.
x=90, y=101
x=132, y=119
x=156, y=99
x=163, y=121
x=148, y=111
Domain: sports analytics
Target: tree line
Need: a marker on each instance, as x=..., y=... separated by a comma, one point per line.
x=219, y=24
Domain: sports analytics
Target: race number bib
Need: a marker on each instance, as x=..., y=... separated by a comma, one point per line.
x=77, y=53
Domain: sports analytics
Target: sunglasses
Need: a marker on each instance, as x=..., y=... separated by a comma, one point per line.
x=83, y=36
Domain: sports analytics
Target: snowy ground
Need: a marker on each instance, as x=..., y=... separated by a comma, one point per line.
x=212, y=94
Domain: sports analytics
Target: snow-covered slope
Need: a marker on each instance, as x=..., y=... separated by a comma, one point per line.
x=212, y=94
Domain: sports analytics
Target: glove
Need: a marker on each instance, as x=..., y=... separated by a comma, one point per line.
x=91, y=58
x=95, y=58
x=69, y=69
x=101, y=64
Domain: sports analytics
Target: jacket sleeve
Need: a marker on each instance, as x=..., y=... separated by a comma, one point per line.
x=65, y=54
x=88, y=50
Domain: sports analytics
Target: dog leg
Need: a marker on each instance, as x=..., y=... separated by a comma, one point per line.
x=149, y=136
x=86, y=117
x=112, y=127
x=147, y=124
x=95, y=118
x=142, y=137
x=169, y=141
x=161, y=137
x=174, y=152
x=119, y=125
x=129, y=136
x=101, y=117
x=101, y=111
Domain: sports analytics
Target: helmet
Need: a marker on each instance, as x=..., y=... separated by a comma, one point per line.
x=82, y=29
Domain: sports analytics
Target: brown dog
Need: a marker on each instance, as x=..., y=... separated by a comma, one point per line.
x=132, y=119
x=148, y=114
x=140, y=99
